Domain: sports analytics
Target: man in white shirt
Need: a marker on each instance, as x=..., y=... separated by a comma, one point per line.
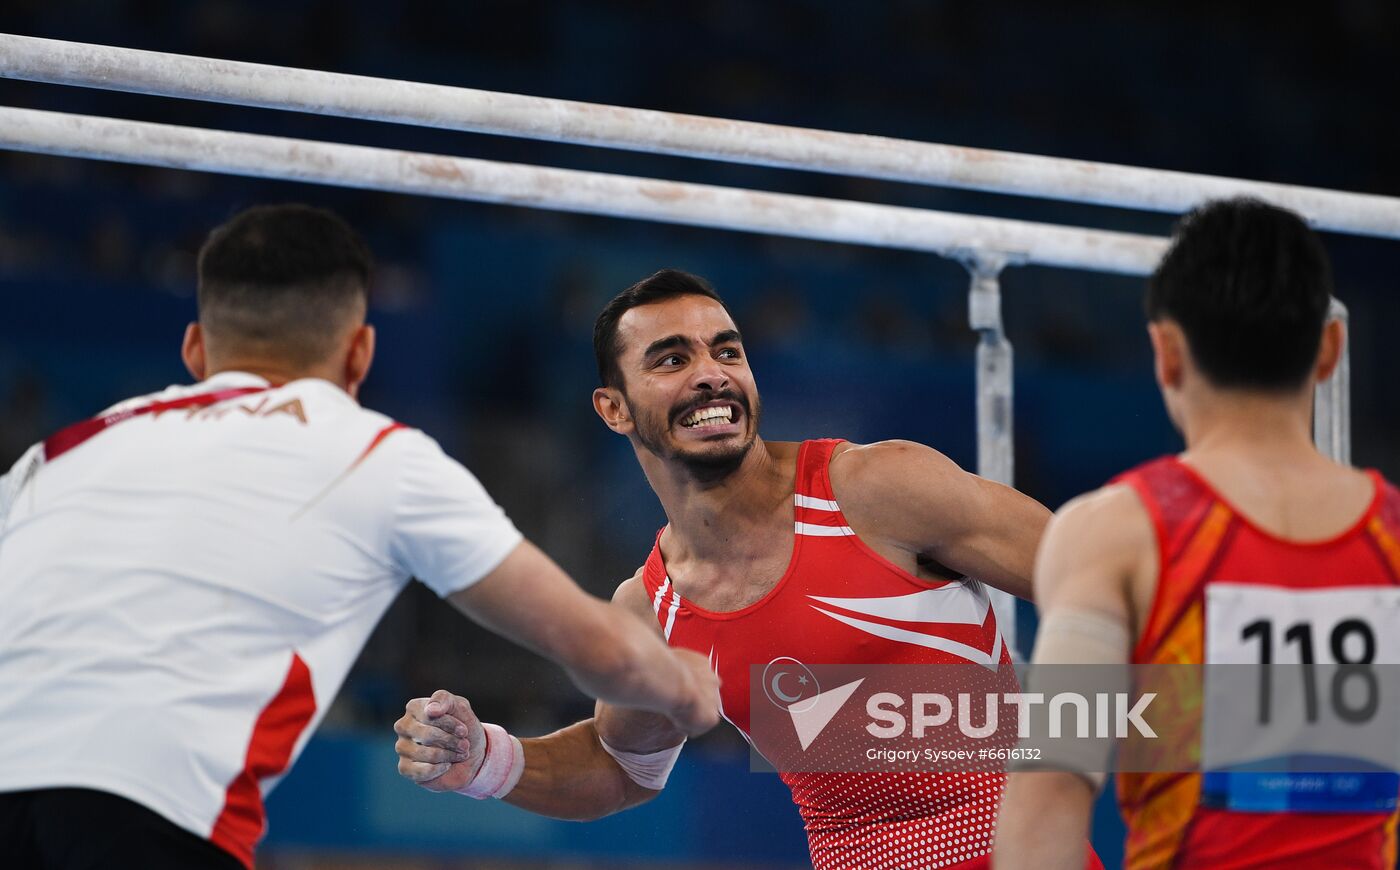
x=186, y=579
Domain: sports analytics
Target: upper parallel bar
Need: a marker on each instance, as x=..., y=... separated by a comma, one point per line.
x=410, y=172
x=478, y=111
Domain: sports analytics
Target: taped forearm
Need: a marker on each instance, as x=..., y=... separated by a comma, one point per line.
x=1080, y=636
x=1099, y=643
x=650, y=770
x=568, y=775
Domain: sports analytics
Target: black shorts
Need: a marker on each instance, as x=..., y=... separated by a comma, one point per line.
x=81, y=829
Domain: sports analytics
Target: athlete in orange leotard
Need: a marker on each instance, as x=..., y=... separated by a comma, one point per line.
x=1249, y=547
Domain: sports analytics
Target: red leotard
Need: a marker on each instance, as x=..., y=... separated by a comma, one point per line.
x=1204, y=541
x=820, y=612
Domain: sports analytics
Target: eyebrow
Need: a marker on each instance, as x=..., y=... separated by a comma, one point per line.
x=667, y=343
x=670, y=342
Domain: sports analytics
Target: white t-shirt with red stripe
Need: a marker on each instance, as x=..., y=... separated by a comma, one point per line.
x=182, y=592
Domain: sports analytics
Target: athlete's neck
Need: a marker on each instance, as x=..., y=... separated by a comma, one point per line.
x=1257, y=452
x=724, y=519
x=1267, y=428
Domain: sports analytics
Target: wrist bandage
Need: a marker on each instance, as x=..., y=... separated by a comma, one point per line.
x=501, y=768
x=646, y=769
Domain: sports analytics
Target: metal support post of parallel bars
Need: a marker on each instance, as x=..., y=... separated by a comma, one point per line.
x=995, y=391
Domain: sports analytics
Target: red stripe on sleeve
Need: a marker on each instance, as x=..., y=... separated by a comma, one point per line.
x=241, y=823
x=376, y=441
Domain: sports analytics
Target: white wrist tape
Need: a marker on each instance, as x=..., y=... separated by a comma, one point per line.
x=501, y=768
x=646, y=769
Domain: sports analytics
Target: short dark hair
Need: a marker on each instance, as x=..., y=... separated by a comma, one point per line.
x=1249, y=283
x=283, y=281
x=663, y=285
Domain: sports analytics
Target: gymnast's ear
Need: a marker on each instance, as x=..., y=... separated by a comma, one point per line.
x=610, y=405
x=192, y=352
x=358, y=358
x=1169, y=353
x=1329, y=351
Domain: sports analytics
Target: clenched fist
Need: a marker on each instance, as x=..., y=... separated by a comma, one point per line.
x=441, y=743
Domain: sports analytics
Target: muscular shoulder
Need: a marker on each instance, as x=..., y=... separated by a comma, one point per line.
x=872, y=478
x=1102, y=537
x=857, y=465
x=1111, y=518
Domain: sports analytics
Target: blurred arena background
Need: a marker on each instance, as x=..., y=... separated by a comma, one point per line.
x=485, y=313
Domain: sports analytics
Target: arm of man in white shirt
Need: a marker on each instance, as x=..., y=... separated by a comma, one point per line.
x=452, y=536
x=610, y=653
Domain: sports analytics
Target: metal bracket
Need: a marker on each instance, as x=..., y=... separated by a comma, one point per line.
x=995, y=364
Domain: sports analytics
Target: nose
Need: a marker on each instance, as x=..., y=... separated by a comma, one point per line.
x=709, y=376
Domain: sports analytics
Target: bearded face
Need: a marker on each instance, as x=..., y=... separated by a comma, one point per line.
x=710, y=433
x=688, y=388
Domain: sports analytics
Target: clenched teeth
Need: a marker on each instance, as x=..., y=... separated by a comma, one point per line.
x=704, y=416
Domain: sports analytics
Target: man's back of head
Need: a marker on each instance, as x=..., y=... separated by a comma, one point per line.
x=281, y=285
x=1239, y=311
x=1249, y=285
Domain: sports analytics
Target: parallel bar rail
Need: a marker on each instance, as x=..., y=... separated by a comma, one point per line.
x=478, y=111
x=410, y=172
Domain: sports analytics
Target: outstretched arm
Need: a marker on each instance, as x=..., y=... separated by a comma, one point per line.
x=616, y=760
x=608, y=650
x=919, y=500
x=1095, y=551
x=575, y=778
x=567, y=775
x=448, y=532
